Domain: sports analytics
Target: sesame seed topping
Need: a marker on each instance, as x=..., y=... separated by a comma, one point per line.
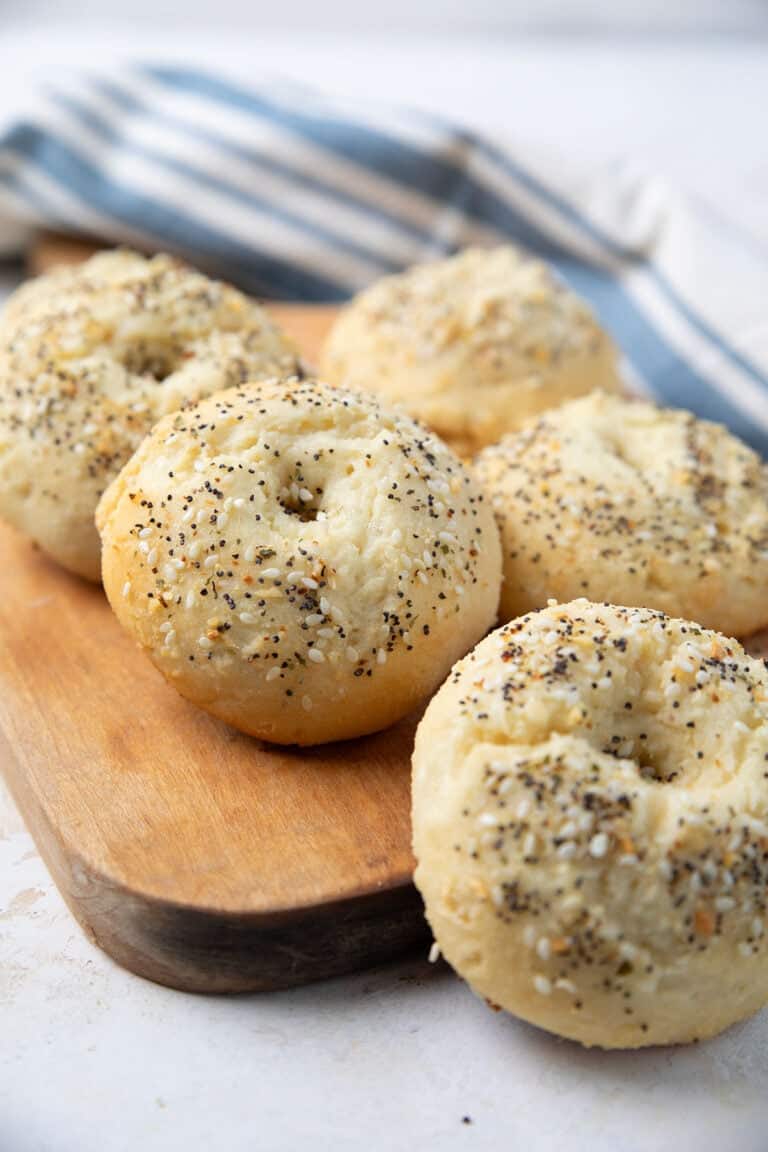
x=543, y=948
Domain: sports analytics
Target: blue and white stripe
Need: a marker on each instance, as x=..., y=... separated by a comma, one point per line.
x=300, y=196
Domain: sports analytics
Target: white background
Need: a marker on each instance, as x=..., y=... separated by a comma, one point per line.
x=94, y=1060
x=559, y=17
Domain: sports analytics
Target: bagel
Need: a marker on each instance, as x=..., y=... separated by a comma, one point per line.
x=590, y=822
x=472, y=345
x=90, y=357
x=622, y=501
x=298, y=560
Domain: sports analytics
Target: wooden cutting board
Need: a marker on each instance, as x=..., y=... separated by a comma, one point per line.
x=194, y=855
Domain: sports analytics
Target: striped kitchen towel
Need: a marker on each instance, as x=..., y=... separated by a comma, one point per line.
x=301, y=196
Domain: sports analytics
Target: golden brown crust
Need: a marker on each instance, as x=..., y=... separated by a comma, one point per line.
x=298, y=560
x=90, y=358
x=590, y=812
x=473, y=345
x=622, y=501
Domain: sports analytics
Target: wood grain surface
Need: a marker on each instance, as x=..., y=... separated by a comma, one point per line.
x=194, y=855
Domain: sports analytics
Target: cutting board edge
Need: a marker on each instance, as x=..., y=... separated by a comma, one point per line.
x=37, y=818
x=192, y=948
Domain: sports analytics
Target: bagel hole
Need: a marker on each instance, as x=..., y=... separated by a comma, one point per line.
x=650, y=765
x=293, y=500
x=651, y=769
x=143, y=358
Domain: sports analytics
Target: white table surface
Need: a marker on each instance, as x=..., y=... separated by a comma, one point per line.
x=93, y=1059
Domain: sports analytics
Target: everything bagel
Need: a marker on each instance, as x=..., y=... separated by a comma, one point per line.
x=590, y=815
